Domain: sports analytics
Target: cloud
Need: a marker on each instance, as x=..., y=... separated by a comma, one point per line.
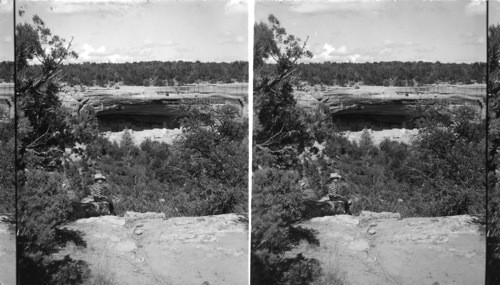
x=329, y=49
x=425, y=50
x=87, y=53
x=157, y=44
x=236, y=7
x=6, y=40
x=95, y=6
x=388, y=42
x=474, y=41
x=385, y=51
x=343, y=7
x=240, y=39
x=393, y=44
x=469, y=38
x=476, y=8
x=339, y=54
x=6, y=6
x=184, y=49
x=230, y=37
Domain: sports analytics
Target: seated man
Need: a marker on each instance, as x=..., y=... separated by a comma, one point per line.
x=96, y=191
x=333, y=192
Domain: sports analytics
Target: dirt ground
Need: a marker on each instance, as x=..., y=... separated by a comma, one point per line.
x=185, y=250
x=7, y=253
x=437, y=251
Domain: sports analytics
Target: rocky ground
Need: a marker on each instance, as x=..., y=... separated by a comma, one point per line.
x=377, y=249
x=148, y=249
x=7, y=253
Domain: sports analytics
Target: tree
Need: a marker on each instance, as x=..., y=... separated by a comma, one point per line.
x=279, y=119
x=44, y=130
x=449, y=153
x=37, y=88
x=493, y=162
x=281, y=132
x=276, y=207
x=7, y=172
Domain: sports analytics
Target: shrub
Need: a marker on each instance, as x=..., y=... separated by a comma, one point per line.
x=276, y=206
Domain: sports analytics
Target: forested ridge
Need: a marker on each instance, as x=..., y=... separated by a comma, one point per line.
x=157, y=73
x=154, y=73
x=393, y=73
x=6, y=71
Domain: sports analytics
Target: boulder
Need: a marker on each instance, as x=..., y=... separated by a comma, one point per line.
x=314, y=208
x=88, y=208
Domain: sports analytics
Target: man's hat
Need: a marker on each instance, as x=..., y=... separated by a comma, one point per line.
x=99, y=176
x=335, y=175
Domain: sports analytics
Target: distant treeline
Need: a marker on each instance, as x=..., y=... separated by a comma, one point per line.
x=155, y=73
x=394, y=73
x=6, y=71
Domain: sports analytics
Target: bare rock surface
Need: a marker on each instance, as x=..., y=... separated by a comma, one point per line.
x=146, y=248
x=7, y=252
x=380, y=248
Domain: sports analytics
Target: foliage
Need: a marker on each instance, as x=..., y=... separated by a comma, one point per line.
x=393, y=73
x=439, y=174
x=279, y=119
x=43, y=133
x=154, y=73
x=203, y=173
x=493, y=236
x=42, y=207
x=276, y=207
x=7, y=172
x=280, y=130
x=6, y=71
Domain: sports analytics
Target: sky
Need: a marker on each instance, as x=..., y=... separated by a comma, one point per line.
x=142, y=30
x=494, y=13
x=6, y=31
x=370, y=31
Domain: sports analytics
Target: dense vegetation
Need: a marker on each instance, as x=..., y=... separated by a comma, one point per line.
x=203, y=173
x=6, y=71
x=7, y=172
x=155, y=73
x=44, y=130
x=441, y=173
x=276, y=197
x=493, y=238
x=394, y=73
